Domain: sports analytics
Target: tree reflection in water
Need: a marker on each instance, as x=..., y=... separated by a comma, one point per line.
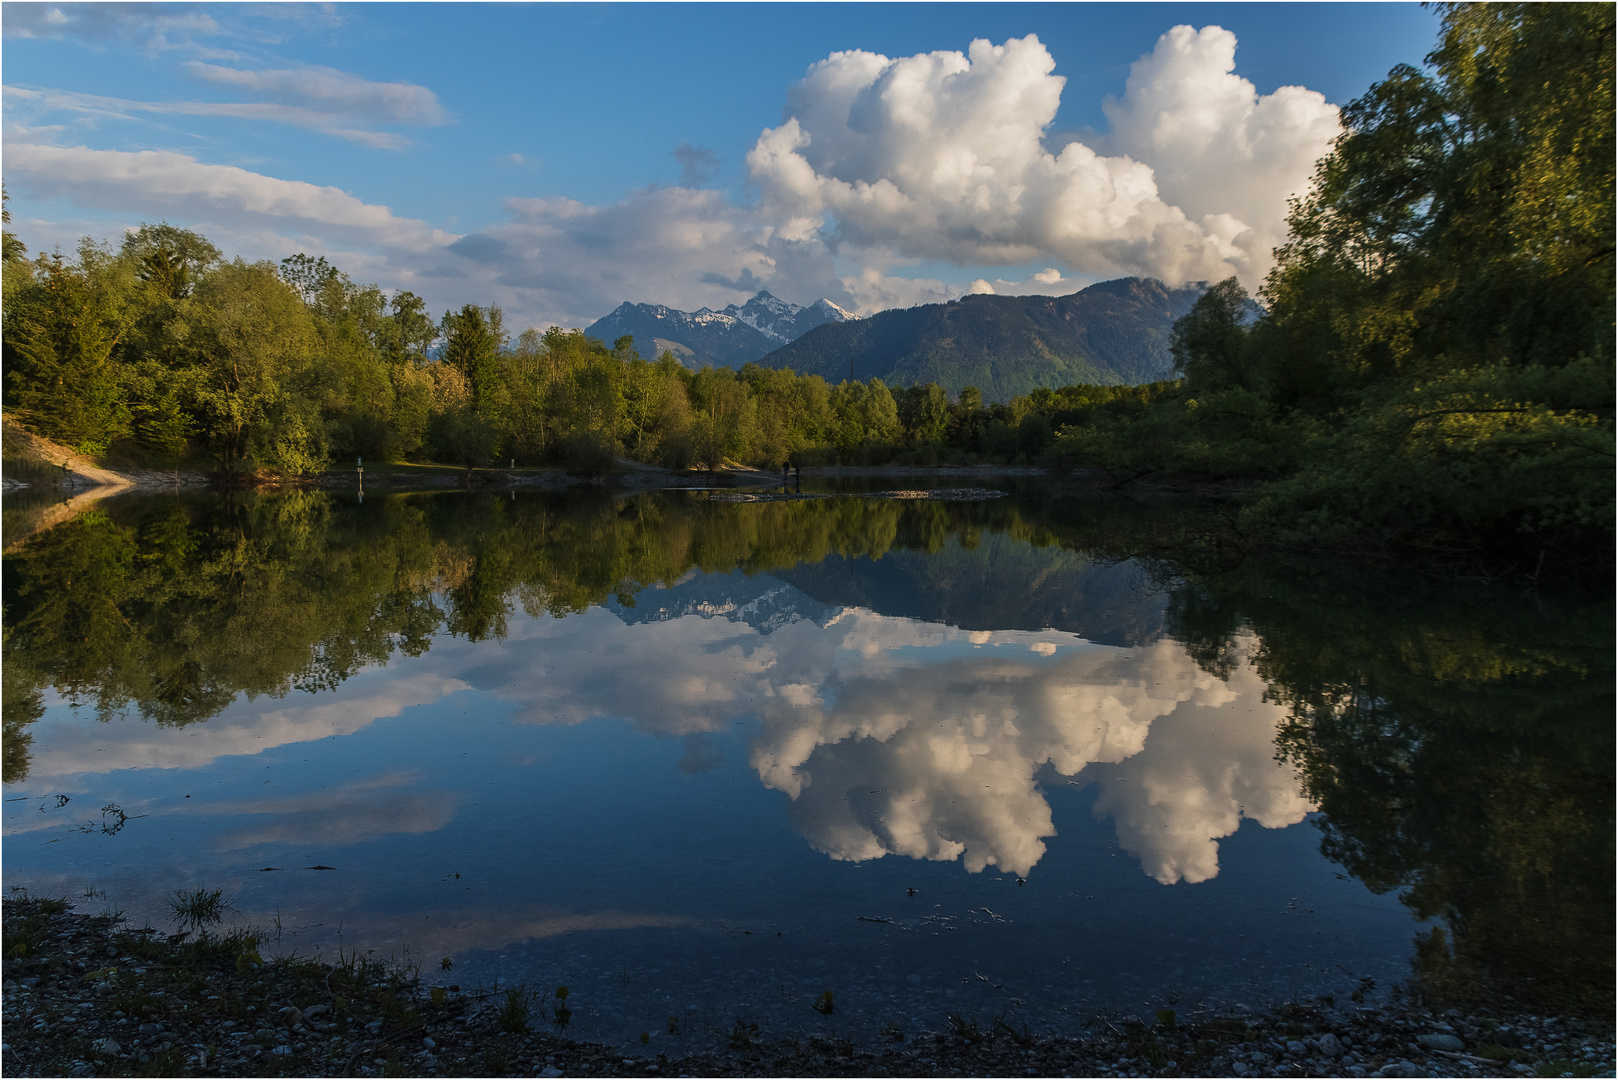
x=1457, y=741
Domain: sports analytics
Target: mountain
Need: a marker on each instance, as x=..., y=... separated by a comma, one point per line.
x=758, y=600
x=728, y=338
x=1000, y=583
x=1111, y=333
x=784, y=322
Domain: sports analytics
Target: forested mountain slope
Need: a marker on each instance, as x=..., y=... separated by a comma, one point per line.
x=1110, y=333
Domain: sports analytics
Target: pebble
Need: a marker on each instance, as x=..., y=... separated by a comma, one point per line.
x=1441, y=1042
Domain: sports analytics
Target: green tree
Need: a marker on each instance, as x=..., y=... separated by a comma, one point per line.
x=473, y=340
x=253, y=348
x=63, y=328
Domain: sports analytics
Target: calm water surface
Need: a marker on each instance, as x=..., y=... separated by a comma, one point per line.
x=702, y=761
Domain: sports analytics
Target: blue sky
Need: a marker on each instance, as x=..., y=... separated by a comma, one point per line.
x=558, y=159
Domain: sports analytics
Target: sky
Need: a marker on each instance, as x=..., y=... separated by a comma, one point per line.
x=559, y=159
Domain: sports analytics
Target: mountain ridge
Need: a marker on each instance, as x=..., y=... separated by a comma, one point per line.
x=1113, y=332
x=737, y=335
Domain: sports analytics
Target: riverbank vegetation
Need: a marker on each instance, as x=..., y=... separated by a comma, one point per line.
x=1433, y=371
x=1429, y=375
x=163, y=351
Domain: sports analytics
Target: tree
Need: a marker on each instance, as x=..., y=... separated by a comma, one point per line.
x=13, y=252
x=308, y=276
x=473, y=339
x=412, y=331
x=252, y=352
x=1209, y=342
x=924, y=412
x=169, y=258
x=62, y=329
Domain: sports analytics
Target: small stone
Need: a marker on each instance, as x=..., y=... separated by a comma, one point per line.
x=150, y=1029
x=1330, y=1045
x=106, y=1046
x=112, y=950
x=282, y=1051
x=1441, y=1042
x=550, y=1070
x=81, y=1069
x=1296, y=1048
x=429, y=1044
x=317, y=1010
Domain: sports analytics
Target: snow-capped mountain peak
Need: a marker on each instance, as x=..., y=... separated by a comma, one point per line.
x=732, y=337
x=783, y=321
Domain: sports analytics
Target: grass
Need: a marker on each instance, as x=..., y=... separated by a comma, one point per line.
x=516, y=1011
x=197, y=909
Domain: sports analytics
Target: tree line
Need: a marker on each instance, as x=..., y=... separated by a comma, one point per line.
x=166, y=350
x=1433, y=367
x=1429, y=372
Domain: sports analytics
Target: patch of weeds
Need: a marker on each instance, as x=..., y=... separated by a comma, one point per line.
x=1564, y=1067
x=1002, y=1026
x=674, y=1025
x=515, y=1012
x=824, y=1004
x=561, y=1015
x=1168, y=1020
x=198, y=909
x=892, y=1030
x=964, y=1029
x=1496, y=1052
x=744, y=1035
x=47, y=905
x=24, y=937
x=497, y=1061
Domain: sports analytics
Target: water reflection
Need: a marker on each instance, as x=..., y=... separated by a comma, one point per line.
x=943, y=762
x=923, y=680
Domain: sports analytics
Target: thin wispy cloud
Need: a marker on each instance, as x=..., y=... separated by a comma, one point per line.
x=328, y=90
x=100, y=107
x=155, y=26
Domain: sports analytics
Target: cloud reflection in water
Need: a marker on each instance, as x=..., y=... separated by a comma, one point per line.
x=888, y=735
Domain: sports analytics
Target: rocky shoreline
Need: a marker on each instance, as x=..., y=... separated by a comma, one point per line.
x=89, y=995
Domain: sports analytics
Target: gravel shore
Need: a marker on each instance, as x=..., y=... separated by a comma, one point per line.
x=88, y=995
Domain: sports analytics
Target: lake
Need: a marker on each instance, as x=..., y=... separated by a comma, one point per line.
x=1035, y=758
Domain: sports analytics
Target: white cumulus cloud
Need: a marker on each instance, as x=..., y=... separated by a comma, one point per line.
x=941, y=156
x=1215, y=145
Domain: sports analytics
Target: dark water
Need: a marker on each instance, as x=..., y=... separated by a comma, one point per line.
x=1033, y=758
